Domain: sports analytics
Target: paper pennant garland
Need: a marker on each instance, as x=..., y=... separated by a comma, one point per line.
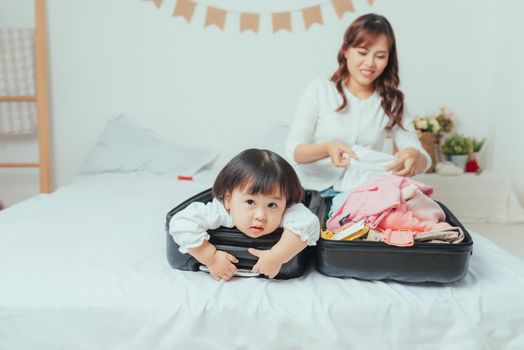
x=184, y=8
x=158, y=3
x=251, y=21
x=281, y=21
x=311, y=16
x=342, y=6
x=215, y=16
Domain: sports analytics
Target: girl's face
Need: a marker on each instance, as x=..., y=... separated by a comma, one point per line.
x=365, y=64
x=255, y=214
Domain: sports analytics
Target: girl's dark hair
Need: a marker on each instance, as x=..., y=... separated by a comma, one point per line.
x=362, y=32
x=263, y=171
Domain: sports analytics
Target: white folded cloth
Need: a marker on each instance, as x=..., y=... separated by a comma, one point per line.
x=448, y=168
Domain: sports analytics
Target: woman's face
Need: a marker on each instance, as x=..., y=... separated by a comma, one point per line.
x=255, y=214
x=366, y=64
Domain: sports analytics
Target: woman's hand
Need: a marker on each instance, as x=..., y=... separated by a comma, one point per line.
x=268, y=264
x=339, y=153
x=221, y=266
x=409, y=162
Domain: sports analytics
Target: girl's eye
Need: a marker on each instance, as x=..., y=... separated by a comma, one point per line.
x=362, y=53
x=272, y=205
x=381, y=57
x=250, y=202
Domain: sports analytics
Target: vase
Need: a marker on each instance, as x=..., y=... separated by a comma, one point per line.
x=430, y=143
x=473, y=156
x=459, y=160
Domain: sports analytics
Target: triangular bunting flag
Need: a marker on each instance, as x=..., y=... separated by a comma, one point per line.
x=342, y=6
x=158, y=3
x=312, y=15
x=215, y=16
x=249, y=21
x=184, y=8
x=281, y=20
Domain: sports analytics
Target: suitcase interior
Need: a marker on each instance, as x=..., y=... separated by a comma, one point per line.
x=423, y=262
x=236, y=243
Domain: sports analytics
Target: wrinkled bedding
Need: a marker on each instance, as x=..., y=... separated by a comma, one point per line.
x=85, y=268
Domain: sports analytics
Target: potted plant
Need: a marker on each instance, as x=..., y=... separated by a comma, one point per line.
x=477, y=146
x=457, y=148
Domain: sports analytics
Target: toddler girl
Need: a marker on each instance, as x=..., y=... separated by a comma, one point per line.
x=257, y=191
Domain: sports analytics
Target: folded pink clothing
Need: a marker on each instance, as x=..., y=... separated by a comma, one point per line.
x=373, y=200
x=402, y=224
x=422, y=207
x=402, y=219
x=399, y=238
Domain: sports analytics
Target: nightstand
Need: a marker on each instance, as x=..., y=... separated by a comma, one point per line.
x=486, y=197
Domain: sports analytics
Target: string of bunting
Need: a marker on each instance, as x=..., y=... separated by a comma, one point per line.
x=251, y=20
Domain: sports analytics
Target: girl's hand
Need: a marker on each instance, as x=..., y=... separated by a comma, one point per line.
x=221, y=266
x=407, y=163
x=268, y=264
x=340, y=154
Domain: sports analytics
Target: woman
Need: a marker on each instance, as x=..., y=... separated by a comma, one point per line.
x=358, y=106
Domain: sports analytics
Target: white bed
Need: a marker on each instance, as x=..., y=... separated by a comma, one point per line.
x=85, y=268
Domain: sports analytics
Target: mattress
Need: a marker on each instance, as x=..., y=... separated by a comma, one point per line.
x=85, y=268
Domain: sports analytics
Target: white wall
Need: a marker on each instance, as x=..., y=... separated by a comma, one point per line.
x=224, y=88
x=506, y=108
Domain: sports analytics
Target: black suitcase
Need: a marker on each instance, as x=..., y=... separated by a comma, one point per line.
x=423, y=262
x=233, y=241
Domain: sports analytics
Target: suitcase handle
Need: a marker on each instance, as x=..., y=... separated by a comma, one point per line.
x=239, y=273
x=238, y=252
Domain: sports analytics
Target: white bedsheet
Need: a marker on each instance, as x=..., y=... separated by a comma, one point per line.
x=85, y=268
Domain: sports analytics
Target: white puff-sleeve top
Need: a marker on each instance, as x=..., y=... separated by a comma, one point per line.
x=189, y=226
x=363, y=123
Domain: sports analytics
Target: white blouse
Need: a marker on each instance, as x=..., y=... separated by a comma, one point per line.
x=189, y=226
x=362, y=123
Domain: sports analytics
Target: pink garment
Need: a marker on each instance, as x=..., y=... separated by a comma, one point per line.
x=399, y=238
x=422, y=206
x=402, y=219
x=373, y=200
x=416, y=214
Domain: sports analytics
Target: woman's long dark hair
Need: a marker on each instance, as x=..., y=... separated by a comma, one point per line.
x=363, y=31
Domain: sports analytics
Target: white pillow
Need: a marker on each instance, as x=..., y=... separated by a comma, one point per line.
x=126, y=147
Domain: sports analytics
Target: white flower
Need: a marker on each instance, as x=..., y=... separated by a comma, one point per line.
x=434, y=123
x=450, y=115
x=421, y=124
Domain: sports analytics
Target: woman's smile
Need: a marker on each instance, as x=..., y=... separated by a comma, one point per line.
x=367, y=73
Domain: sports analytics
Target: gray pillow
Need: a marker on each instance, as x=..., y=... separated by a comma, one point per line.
x=126, y=147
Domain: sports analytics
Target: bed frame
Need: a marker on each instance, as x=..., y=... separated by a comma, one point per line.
x=41, y=99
